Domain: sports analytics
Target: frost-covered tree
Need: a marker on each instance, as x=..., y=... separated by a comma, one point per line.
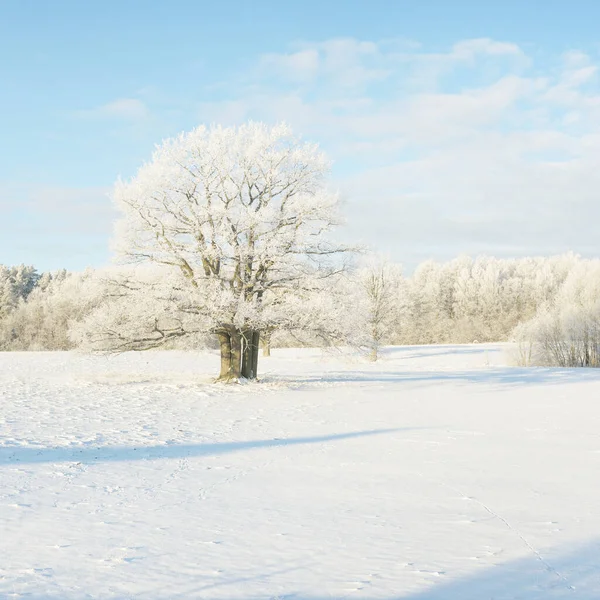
x=377, y=284
x=426, y=322
x=565, y=331
x=42, y=320
x=16, y=283
x=239, y=217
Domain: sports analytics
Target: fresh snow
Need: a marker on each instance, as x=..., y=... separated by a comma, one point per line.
x=437, y=473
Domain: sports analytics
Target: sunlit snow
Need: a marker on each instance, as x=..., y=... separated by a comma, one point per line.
x=437, y=473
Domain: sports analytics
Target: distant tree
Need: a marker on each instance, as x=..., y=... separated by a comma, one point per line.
x=16, y=283
x=239, y=219
x=378, y=286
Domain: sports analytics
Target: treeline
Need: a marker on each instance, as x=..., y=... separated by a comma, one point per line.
x=550, y=305
x=478, y=300
x=37, y=311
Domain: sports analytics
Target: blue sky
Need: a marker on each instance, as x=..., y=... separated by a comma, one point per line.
x=455, y=127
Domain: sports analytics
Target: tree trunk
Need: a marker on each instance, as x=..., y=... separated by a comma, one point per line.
x=246, y=356
x=250, y=339
x=267, y=344
x=375, y=336
x=255, y=347
x=231, y=354
x=236, y=354
x=225, y=345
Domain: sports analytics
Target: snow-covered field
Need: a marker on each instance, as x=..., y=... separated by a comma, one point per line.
x=438, y=473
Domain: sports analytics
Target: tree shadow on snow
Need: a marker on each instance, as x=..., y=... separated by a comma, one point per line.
x=502, y=376
x=573, y=575
x=95, y=454
x=435, y=350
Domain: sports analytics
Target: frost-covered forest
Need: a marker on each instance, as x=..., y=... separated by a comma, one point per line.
x=224, y=239
x=551, y=306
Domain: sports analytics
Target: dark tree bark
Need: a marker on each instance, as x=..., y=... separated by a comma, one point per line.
x=246, y=357
x=236, y=354
x=230, y=341
x=255, y=347
x=250, y=353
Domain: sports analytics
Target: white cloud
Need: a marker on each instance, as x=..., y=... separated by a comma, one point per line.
x=297, y=66
x=474, y=149
x=575, y=59
x=52, y=226
x=468, y=49
x=352, y=63
x=500, y=159
x=342, y=62
x=59, y=209
x=130, y=109
x=501, y=193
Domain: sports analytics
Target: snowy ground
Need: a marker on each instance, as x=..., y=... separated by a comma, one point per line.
x=436, y=474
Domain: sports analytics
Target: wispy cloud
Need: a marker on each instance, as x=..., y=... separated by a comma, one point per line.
x=130, y=109
x=298, y=66
x=53, y=226
x=469, y=49
x=477, y=148
x=343, y=62
x=59, y=209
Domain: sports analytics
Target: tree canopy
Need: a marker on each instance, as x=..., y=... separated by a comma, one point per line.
x=242, y=217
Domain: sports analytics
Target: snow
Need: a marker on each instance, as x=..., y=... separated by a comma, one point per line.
x=437, y=473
